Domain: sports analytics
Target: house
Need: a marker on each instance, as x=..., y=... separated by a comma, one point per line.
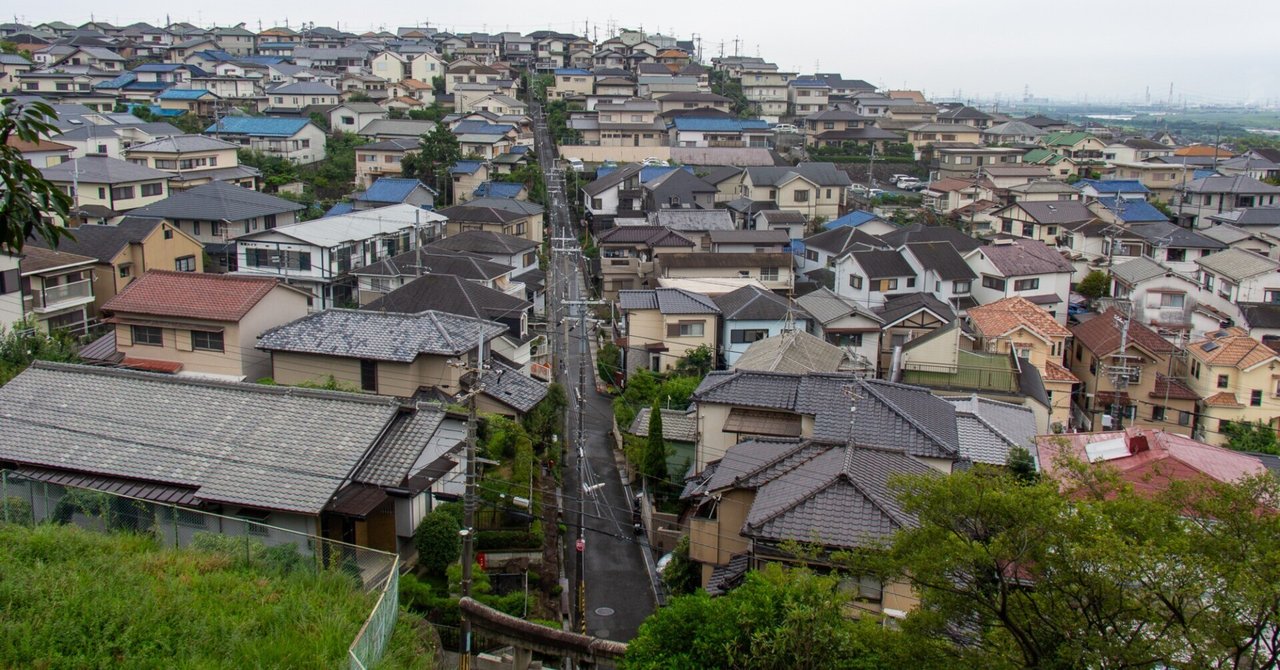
x=964, y=115
x=466, y=71
x=89, y=138
x=571, y=83
x=663, y=325
x=1238, y=238
x=679, y=431
x=798, y=352
x=965, y=161
x=193, y=101
x=515, y=252
x=631, y=123
x=695, y=224
x=54, y=289
x=197, y=324
x=125, y=251
x=721, y=273
x=319, y=255
x=907, y=317
x=822, y=250
x=517, y=218
x=296, y=97
x=791, y=225
x=1211, y=195
x=845, y=324
x=108, y=182
x=813, y=189
x=677, y=189
x=918, y=232
x=751, y=314
x=217, y=212
x=1043, y=220
x=1134, y=149
x=371, y=465
x=378, y=279
x=41, y=153
x=350, y=117
x=832, y=120
x=1038, y=190
x=1123, y=369
x=12, y=66
x=922, y=135
x=193, y=160
x=376, y=160
x=1079, y=146
x=1012, y=133
x=1027, y=268
x=1125, y=189
x=947, y=195
x=1175, y=247
x=1016, y=325
x=453, y=294
x=629, y=256
x=1235, y=376
x=870, y=277
x=678, y=102
x=942, y=272
x=387, y=191
x=296, y=140
x=1161, y=298
x=700, y=131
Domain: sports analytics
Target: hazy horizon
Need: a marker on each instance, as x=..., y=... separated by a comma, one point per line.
x=1098, y=52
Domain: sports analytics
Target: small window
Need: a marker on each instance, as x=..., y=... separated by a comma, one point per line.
x=855, y=281
x=126, y=270
x=993, y=283
x=1026, y=284
x=369, y=375
x=150, y=336
x=152, y=189
x=960, y=287
x=1224, y=381
x=122, y=193
x=1255, y=398
x=1157, y=413
x=185, y=264
x=205, y=340
x=168, y=233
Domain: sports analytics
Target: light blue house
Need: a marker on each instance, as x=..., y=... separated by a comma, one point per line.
x=750, y=314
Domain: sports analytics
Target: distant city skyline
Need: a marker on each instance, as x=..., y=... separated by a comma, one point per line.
x=1099, y=51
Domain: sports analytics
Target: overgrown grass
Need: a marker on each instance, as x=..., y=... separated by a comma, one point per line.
x=71, y=598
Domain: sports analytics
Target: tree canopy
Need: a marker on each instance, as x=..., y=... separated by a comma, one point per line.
x=29, y=205
x=437, y=151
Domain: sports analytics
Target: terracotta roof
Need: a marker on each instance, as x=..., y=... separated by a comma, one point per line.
x=1222, y=399
x=1233, y=347
x=150, y=365
x=1056, y=373
x=24, y=146
x=1173, y=389
x=36, y=259
x=191, y=295
x=1102, y=335
x=1005, y=315
x=1202, y=150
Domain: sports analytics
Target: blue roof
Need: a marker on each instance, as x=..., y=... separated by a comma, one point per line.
x=1113, y=185
x=118, y=82
x=697, y=123
x=853, y=219
x=158, y=67
x=258, y=125
x=498, y=189
x=647, y=173
x=572, y=70
x=1202, y=173
x=1133, y=210
x=214, y=54
x=465, y=167
x=519, y=150
x=339, y=209
x=810, y=83
x=390, y=189
x=481, y=128
x=148, y=85
x=156, y=110
x=183, y=94
x=278, y=45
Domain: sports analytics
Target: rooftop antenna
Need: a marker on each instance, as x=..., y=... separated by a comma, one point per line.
x=851, y=392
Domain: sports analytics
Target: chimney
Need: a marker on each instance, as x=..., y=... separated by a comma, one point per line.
x=1138, y=444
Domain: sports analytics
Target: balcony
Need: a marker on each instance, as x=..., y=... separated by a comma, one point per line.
x=63, y=296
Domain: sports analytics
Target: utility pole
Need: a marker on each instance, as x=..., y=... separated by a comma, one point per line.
x=476, y=370
x=580, y=434
x=1120, y=373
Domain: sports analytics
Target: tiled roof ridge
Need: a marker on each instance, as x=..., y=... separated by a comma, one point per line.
x=910, y=418
x=757, y=467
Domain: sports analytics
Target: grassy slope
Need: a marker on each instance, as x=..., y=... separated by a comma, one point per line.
x=70, y=598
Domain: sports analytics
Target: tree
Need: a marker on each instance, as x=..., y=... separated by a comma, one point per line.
x=22, y=344
x=437, y=540
x=1094, y=285
x=29, y=205
x=696, y=363
x=437, y=151
x=654, y=463
x=1256, y=437
x=1082, y=571
x=546, y=419
x=682, y=574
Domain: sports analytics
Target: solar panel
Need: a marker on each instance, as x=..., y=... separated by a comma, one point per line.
x=1210, y=346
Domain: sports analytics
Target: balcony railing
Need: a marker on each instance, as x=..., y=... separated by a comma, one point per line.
x=56, y=297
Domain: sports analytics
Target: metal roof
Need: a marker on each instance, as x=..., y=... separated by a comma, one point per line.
x=217, y=201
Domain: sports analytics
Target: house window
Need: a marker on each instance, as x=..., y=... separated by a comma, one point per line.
x=1224, y=381
x=122, y=193
x=126, y=270
x=195, y=228
x=811, y=255
x=747, y=336
x=1026, y=284
x=150, y=336
x=855, y=281
x=207, y=340
x=888, y=285
x=152, y=189
x=960, y=287
x=1172, y=300
x=802, y=196
x=1028, y=230
x=185, y=264
x=993, y=282
x=1272, y=297
x=369, y=375
x=687, y=329
x=911, y=282
x=768, y=274
x=1226, y=289
x=1208, y=282
x=1157, y=413
x=1176, y=254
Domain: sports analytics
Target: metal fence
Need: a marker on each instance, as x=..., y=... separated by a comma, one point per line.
x=26, y=499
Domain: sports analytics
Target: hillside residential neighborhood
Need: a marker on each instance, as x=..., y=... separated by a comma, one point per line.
x=599, y=305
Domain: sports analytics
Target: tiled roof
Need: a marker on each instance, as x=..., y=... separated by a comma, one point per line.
x=183, y=94
x=452, y=294
x=1054, y=372
x=1223, y=399
x=822, y=174
x=384, y=336
x=880, y=263
x=391, y=190
x=1024, y=257
x=1101, y=335
x=943, y=259
x=242, y=444
x=1148, y=459
x=989, y=429
x=1132, y=210
x=423, y=437
x=1057, y=212
x=692, y=219
x=667, y=301
x=217, y=201
x=793, y=351
x=854, y=219
x=677, y=425
x=262, y=126
x=101, y=170
x=1113, y=186
x=1138, y=270
x=839, y=241
x=917, y=232
x=752, y=303
x=192, y=295
x=1172, y=388
x=37, y=259
x=1237, y=264
x=827, y=306
x=103, y=242
x=1007, y=314
x=506, y=385
x=896, y=307
x=1231, y=347
x=485, y=242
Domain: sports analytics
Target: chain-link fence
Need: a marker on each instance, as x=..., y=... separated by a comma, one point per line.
x=49, y=498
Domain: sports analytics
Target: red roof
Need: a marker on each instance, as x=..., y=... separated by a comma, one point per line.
x=151, y=365
x=191, y=295
x=1173, y=389
x=1151, y=459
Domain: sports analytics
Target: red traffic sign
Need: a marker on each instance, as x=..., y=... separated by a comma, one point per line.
x=482, y=560
x=581, y=544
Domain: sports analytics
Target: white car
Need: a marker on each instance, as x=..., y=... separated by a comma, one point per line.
x=785, y=128
x=653, y=162
x=859, y=189
x=906, y=183
x=893, y=179
x=576, y=164
x=875, y=192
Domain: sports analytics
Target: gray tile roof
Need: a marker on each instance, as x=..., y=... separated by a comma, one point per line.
x=454, y=295
x=842, y=240
x=1237, y=264
x=384, y=336
x=942, y=258
x=101, y=170
x=827, y=306
x=485, y=242
x=1138, y=270
x=792, y=351
x=418, y=438
x=434, y=260
x=752, y=303
x=677, y=425
x=182, y=144
x=989, y=429
x=1165, y=234
x=103, y=242
x=879, y=263
x=217, y=201
x=243, y=444
x=1056, y=211
x=506, y=385
x=754, y=462
x=918, y=232
x=667, y=301
x=1024, y=257
x=822, y=174
x=692, y=219
x=897, y=307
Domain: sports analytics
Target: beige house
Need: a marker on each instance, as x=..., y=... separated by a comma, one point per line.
x=466, y=176
x=426, y=66
x=571, y=83
x=56, y=288
x=1020, y=326
x=382, y=159
x=518, y=218
x=129, y=249
x=466, y=71
x=772, y=269
x=812, y=189
x=633, y=123
x=1238, y=379
x=201, y=324
x=108, y=182
x=629, y=255
x=1162, y=179
x=926, y=134
x=663, y=325
x=193, y=160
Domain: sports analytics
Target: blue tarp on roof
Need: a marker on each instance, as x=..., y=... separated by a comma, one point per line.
x=168, y=67
x=853, y=219
x=520, y=150
x=1202, y=173
x=697, y=123
x=148, y=85
x=389, y=189
x=156, y=111
x=465, y=167
x=118, y=82
x=258, y=125
x=1132, y=210
x=1113, y=185
x=339, y=209
x=182, y=94
x=278, y=45
x=646, y=174
x=481, y=128
x=571, y=70
x=498, y=189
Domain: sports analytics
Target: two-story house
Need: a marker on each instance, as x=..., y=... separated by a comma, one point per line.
x=813, y=189
x=844, y=323
x=942, y=272
x=632, y=123
x=1235, y=375
x=751, y=314
x=663, y=325
x=296, y=140
x=1211, y=195
x=193, y=160
x=53, y=289
x=1016, y=325
x=98, y=181
x=378, y=279
x=351, y=117
x=200, y=324
x=1234, y=276
x=1043, y=220
x=518, y=218
x=870, y=277
x=629, y=254
x=1027, y=268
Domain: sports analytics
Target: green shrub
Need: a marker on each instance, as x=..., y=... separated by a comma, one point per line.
x=493, y=540
x=437, y=541
x=18, y=511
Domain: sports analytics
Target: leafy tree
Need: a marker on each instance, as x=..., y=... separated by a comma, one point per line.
x=531, y=176
x=696, y=363
x=359, y=96
x=609, y=362
x=433, y=112
x=437, y=151
x=189, y=124
x=546, y=419
x=1256, y=437
x=1022, y=464
x=682, y=574
x=25, y=196
x=437, y=540
x=320, y=120
x=654, y=462
x=1094, y=285
x=21, y=345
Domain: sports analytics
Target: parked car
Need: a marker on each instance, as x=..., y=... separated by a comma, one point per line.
x=875, y=192
x=859, y=189
x=654, y=162
x=905, y=183
x=577, y=165
x=893, y=179
x=785, y=128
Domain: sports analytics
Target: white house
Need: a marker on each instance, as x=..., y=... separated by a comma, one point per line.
x=1027, y=268
x=296, y=140
x=350, y=117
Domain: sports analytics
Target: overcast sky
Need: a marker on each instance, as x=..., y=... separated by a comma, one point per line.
x=1212, y=52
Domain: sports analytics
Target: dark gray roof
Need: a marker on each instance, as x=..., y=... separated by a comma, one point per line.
x=1056, y=211
x=752, y=303
x=918, y=232
x=414, y=442
x=653, y=236
x=1023, y=257
x=506, y=385
x=826, y=306
x=384, y=336
x=1260, y=314
x=433, y=260
x=678, y=425
x=217, y=201
x=667, y=301
x=842, y=240
x=1165, y=234
x=1253, y=216
x=1236, y=184
x=485, y=242
x=261, y=446
x=101, y=170
x=943, y=259
x=182, y=144
x=103, y=242
x=452, y=294
x=612, y=179
x=880, y=263
x=692, y=219
x=822, y=174
x=989, y=429
x=899, y=306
